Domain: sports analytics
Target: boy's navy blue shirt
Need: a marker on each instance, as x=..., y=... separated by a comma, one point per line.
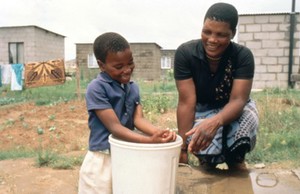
x=106, y=93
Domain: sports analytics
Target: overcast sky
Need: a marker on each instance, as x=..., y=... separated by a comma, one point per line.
x=165, y=22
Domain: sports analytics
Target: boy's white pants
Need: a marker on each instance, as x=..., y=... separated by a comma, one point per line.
x=95, y=174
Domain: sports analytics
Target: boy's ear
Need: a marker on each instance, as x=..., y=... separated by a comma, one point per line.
x=100, y=64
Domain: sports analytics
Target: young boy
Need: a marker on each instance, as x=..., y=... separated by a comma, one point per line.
x=113, y=104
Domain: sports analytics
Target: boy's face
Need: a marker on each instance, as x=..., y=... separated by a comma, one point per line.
x=119, y=66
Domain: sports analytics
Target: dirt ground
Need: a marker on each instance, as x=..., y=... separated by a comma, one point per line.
x=63, y=128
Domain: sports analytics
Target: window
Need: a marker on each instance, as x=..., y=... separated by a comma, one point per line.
x=16, y=52
x=166, y=62
x=92, y=62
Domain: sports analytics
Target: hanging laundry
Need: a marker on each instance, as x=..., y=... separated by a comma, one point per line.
x=6, y=73
x=16, y=77
x=44, y=73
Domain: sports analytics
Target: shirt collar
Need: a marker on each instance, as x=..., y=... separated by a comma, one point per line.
x=103, y=76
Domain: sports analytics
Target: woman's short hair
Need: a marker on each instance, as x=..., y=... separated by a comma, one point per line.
x=223, y=12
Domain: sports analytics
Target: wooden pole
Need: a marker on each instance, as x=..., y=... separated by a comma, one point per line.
x=78, y=90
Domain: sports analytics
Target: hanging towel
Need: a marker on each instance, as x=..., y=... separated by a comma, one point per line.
x=6, y=74
x=44, y=73
x=16, y=77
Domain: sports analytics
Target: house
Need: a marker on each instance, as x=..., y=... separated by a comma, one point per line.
x=24, y=44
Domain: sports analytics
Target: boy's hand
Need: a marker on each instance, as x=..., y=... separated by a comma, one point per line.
x=164, y=136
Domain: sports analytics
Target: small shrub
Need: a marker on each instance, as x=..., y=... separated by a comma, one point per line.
x=51, y=117
x=45, y=158
x=40, y=131
x=10, y=122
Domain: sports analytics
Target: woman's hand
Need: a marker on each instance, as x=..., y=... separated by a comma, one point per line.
x=203, y=135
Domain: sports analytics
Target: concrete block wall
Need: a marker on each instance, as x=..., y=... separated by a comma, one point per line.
x=267, y=35
x=82, y=52
x=48, y=45
x=147, y=57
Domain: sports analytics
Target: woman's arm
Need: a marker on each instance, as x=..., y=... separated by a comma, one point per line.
x=206, y=130
x=185, y=112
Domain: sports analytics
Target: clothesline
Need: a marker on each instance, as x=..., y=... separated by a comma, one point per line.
x=34, y=74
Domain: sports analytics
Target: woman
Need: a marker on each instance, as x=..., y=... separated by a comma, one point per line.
x=215, y=116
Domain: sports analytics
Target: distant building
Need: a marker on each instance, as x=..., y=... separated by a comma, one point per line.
x=24, y=44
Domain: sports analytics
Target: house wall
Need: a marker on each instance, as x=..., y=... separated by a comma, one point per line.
x=82, y=52
x=147, y=60
x=39, y=44
x=166, y=73
x=267, y=35
x=48, y=45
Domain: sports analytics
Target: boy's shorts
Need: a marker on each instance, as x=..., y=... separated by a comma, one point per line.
x=95, y=174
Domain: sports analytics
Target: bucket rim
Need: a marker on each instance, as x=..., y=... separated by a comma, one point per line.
x=114, y=141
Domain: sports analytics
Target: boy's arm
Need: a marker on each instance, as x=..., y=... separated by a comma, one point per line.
x=112, y=123
x=141, y=123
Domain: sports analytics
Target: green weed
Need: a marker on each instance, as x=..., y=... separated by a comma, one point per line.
x=51, y=117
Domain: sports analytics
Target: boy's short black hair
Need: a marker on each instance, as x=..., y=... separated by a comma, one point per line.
x=223, y=12
x=109, y=42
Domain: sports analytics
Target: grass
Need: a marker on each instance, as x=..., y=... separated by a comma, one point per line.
x=42, y=95
x=279, y=112
x=17, y=153
x=278, y=138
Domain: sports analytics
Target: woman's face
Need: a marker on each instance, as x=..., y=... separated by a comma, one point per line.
x=216, y=37
x=119, y=66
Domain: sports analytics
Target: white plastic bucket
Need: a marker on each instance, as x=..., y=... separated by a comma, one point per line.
x=144, y=168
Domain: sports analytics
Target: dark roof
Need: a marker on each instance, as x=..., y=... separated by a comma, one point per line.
x=84, y=43
x=145, y=43
x=32, y=26
x=279, y=13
